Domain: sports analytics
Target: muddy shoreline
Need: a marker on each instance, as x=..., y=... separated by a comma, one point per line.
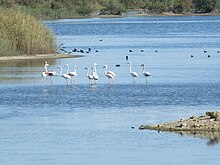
x=38, y=56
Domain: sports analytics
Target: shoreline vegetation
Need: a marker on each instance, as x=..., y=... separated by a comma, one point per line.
x=23, y=33
x=60, y=9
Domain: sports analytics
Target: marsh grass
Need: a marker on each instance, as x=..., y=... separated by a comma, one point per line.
x=22, y=34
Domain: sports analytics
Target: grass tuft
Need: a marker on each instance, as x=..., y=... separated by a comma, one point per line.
x=22, y=34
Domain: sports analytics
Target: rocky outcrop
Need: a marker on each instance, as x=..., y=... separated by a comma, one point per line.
x=205, y=127
x=208, y=122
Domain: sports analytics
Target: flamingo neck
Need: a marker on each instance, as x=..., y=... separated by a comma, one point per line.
x=87, y=73
x=46, y=70
x=142, y=69
x=75, y=69
x=68, y=69
x=105, y=70
x=94, y=70
x=60, y=71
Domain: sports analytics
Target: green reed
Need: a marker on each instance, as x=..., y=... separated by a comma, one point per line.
x=22, y=34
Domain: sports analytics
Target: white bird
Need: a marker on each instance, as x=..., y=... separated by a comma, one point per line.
x=89, y=76
x=109, y=74
x=72, y=74
x=43, y=74
x=94, y=73
x=145, y=73
x=133, y=74
x=65, y=76
x=51, y=74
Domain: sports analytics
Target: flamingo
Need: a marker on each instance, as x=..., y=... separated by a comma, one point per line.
x=72, y=74
x=48, y=73
x=94, y=73
x=89, y=76
x=109, y=74
x=133, y=74
x=44, y=74
x=146, y=74
x=65, y=76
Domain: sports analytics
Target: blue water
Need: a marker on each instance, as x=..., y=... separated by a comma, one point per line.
x=83, y=124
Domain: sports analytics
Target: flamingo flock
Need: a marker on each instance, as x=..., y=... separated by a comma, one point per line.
x=92, y=76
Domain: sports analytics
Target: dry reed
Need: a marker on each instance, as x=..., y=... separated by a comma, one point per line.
x=22, y=34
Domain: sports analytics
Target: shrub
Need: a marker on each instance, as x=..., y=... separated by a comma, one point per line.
x=23, y=34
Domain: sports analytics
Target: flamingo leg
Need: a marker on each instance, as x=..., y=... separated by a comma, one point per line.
x=43, y=81
x=74, y=80
x=71, y=81
x=51, y=81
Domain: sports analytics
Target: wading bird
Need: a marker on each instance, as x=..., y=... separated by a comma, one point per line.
x=146, y=74
x=65, y=76
x=72, y=74
x=109, y=74
x=94, y=73
x=133, y=74
x=89, y=76
x=51, y=74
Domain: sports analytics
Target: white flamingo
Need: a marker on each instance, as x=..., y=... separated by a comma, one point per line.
x=65, y=76
x=44, y=74
x=94, y=73
x=133, y=74
x=51, y=74
x=109, y=74
x=72, y=74
x=145, y=73
x=89, y=76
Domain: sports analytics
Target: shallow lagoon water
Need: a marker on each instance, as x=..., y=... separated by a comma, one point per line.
x=80, y=124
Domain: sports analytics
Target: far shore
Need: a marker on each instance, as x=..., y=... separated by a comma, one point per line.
x=38, y=56
x=143, y=14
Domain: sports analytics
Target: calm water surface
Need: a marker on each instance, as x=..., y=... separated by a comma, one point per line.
x=79, y=124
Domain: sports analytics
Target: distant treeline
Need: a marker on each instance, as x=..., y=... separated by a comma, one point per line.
x=54, y=9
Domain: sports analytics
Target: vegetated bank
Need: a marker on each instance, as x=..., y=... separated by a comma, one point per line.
x=58, y=9
x=22, y=34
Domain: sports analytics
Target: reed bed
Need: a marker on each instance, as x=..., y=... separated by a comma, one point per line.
x=22, y=34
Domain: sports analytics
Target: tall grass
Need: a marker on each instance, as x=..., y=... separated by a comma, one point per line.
x=22, y=34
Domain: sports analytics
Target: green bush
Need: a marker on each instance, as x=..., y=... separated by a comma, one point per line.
x=23, y=34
